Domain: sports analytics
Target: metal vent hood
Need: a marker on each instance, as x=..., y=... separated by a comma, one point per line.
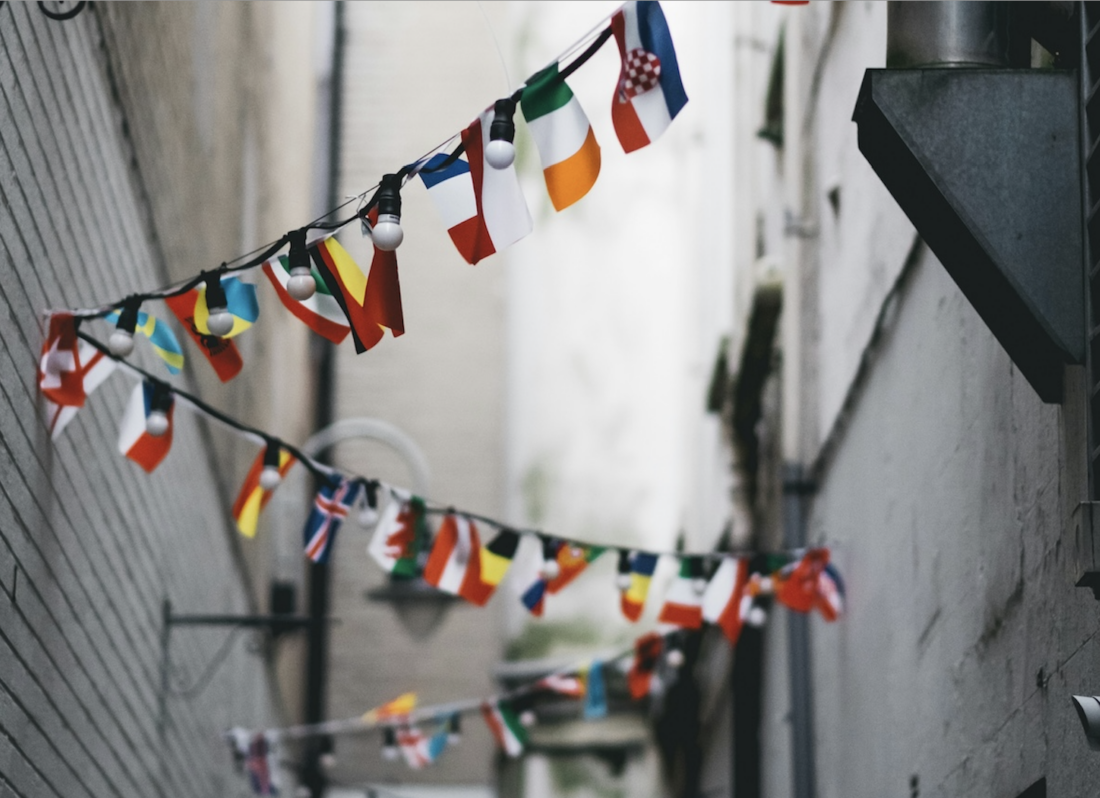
x=986, y=164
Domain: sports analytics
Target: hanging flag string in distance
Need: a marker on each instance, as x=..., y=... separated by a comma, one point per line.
x=333, y=475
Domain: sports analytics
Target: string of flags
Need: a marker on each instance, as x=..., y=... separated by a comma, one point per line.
x=420, y=734
x=474, y=187
x=467, y=555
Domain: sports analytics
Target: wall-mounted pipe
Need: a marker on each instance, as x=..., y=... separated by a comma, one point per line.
x=947, y=34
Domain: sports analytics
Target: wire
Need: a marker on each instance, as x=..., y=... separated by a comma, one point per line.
x=203, y=681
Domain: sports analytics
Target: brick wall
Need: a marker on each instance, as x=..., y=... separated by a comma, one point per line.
x=138, y=143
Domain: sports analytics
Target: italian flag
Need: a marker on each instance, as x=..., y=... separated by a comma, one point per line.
x=567, y=146
x=506, y=728
x=683, y=606
x=321, y=312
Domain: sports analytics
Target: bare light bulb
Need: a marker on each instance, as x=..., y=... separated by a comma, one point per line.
x=387, y=234
x=301, y=284
x=270, y=477
x=699, y=585
x=500, y=153
x=368, y=516
x=757, y=617
x=675, y=658
x=622, y=581
x=156, y=423
x=390, y=753
x=220, y=322
x=528, y=718
x=121, y=343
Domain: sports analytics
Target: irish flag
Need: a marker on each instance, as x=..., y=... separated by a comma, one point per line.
x=567, y=146
x=321, y=312
x=506, y=728
x=252, y=498
x=649, y=94
x=454, y=566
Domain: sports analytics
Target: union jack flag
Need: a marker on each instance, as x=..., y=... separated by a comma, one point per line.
x=330, y=508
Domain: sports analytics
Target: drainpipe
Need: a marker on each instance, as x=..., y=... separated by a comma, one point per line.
x=320, y=583
x=947, y=34
x=796, y=487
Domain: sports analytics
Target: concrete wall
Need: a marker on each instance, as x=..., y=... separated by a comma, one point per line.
x=945, y=486
x=124, y=144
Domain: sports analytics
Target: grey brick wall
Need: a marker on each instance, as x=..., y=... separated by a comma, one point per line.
x=122, y=138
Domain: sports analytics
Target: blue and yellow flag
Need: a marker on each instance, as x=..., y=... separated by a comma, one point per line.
x=160, y=335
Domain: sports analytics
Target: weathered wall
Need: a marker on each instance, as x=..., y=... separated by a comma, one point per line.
x=119, y=135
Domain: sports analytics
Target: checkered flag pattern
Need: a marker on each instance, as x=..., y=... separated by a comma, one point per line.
x=641, y=72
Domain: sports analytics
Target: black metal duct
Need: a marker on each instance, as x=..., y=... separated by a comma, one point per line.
x=986, y=164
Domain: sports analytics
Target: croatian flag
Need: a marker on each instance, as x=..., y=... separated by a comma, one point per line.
x=134, y=440
x=330, y=508
x=649, y=94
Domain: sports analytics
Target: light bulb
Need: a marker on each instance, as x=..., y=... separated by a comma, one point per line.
x=757, y=617
x=622, y=581
x=270, y=477
x=301, y=284
x=699, y=585
x=156, y=423
x=390, y=753
x=368, y=516
x=387, y=233
x=327, y=760
x=121, y=343
x=528, y=718
x=220, y=322
x=550, y=570
x=500, y=153
x=675, y=658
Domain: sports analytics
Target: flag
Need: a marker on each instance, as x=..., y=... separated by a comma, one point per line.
x=595, y=693
x=649, y=94
x=330, y=508
x=567, y=146
x=221, y=352
x=505, y=726
x=397, y=708
x=810, y=584
x=59, y=373
x=95, y=367
x=452, y=191
x=683, y=606
x=726, y=602
x=370, y=304
x=642, y=566
x=321, y=312
x=134, y=440
x=160, y=335
x=398, y=537
x=502, y=215
x=415, y=747
x=496, y=557
x=572, y=559
x=534, y=597
x=252, y=498
x=647, y=650
x=563, y=684
x=259, y=766
x=454, y=566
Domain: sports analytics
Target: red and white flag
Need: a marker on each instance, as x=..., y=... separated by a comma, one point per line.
x=454, y=566
x=725, y=602
x=59, y=377
x=684, y=604
x=134, y=439
x=95, y=367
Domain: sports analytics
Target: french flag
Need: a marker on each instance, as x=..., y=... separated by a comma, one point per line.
x=134, y=439
x=649, y=94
